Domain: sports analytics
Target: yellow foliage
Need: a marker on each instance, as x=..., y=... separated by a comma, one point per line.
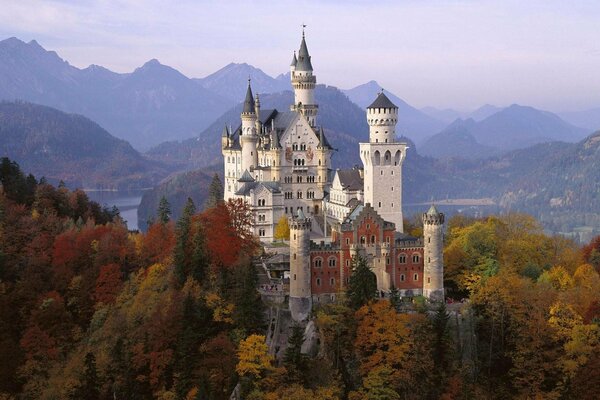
x=222, y=310
x=192, y=394
x=586, y=277
x=564, y=318
x=35, y=214
x=584, y=341
x=282, y=230
x=558, y=277
x=253, y=355
x=298, y=392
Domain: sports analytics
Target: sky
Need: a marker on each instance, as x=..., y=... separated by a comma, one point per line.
x=445, y=54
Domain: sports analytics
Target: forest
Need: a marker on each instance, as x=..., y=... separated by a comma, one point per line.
x=90, y=310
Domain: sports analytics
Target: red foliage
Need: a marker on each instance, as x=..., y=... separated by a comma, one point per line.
x=38, y=345
x=108, y=284
x=158, y=242
x=227, y=232
x=587, y=250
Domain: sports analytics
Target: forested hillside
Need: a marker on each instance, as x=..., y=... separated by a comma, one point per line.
x=89, y=310
x=68, y=147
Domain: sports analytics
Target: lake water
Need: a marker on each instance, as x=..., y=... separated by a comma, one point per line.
x=126, y=201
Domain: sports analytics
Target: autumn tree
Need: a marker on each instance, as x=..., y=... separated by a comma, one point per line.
x=282, y=229
x=182, y=234
x=108, y=284
x=362, y=287
x=254, y=357
x=294, y=360
x=89, y=386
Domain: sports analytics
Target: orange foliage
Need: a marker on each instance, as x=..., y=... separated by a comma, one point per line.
x=158, y=242
x=108, y=284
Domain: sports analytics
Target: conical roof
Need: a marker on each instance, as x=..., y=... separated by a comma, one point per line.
x=303, y=63
x=432, y=210
x=294, y=60
x=382, y=101
x=300, y=214
x=249, y=101
x=246, y=177
x=225, y=132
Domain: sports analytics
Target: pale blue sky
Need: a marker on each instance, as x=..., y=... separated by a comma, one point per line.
x=458, y=54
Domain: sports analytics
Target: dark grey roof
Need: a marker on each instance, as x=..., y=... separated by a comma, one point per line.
x=246, y=177
x=294, y=60
x=323, y=142
x=284, y=119
x=249, y=101
x=272, y=187
x=350, y=179
x=353, y=203
x=225, y=132
x=303, y=63
x=382, y=101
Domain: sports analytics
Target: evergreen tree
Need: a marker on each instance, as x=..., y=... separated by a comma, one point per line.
x=294, y=360
x=248, y=312
x=182, y=232
x=394, y=297
x=215, y=192
x=362, y=287
x=164, y=210
x=89, y=387
x=441, y=348
x=200, y=259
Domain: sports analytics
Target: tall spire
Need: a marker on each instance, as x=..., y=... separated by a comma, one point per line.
x=303, y=63
x=249, y=102
x=294, y=60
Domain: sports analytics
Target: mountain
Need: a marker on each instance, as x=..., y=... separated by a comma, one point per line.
x=457, y=140
x=231, y=82
x=589, y=119
x=152, y=104
x=411, y=122
x=344, y=123
x=486, y=110
x=511, y=128
x=446, y=115
x=59, y=146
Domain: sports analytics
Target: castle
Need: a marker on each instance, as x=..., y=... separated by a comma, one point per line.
x=280, y=164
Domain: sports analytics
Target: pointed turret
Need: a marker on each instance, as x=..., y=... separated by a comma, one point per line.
x=225, y=132
x=303, y=63
x=249, y=101
x=432, y=211
x=294, y=60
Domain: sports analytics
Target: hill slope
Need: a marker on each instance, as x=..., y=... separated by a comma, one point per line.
x=72, y=148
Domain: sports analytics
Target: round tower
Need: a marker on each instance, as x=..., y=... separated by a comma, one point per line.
x=300, y=301
x=382, y=116
x=433, y=267
x=248, y=134
x=304, y=82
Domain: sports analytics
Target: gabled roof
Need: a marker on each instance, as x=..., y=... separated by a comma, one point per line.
x=350, y=179
x=246, y=177
x=272, y=187
x=382, y=101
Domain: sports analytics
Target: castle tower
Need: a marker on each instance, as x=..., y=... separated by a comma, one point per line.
x=300, y=286
x=382, y=160
x=304, y=82
x=433, y=271
x=249, y=135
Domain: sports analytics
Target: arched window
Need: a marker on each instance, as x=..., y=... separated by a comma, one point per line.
x=373, y=239
x=402, y=258
x=331, y=261
x=318, y=281
x=387, y=160
x=332, y=281
x=318, y=262
x=397, y=157
x=415, y=277
x=376, y=158
x=402, y=278
x=415, y=258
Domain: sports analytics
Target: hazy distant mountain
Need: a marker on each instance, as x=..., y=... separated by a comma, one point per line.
x=487, y=110
x=344, y=123
x=145, y=107
x=514, y=127
x=446, y=115
x=589, y=119
x=411, y=122
x=231, y=81
x=47, y=142
x=456, y=140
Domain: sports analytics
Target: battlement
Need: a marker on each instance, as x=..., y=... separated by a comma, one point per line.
x=300, y=223
x=429, y=219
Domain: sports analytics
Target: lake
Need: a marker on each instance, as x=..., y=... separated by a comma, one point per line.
x=126, y=201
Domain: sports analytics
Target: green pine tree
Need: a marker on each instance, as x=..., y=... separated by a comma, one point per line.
x=248, y=311
x=182, y=232
x=395, y=297
x=362, y=287
x=200, y=258
x=294, y=360
x=215, y=192
x=164, y=210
